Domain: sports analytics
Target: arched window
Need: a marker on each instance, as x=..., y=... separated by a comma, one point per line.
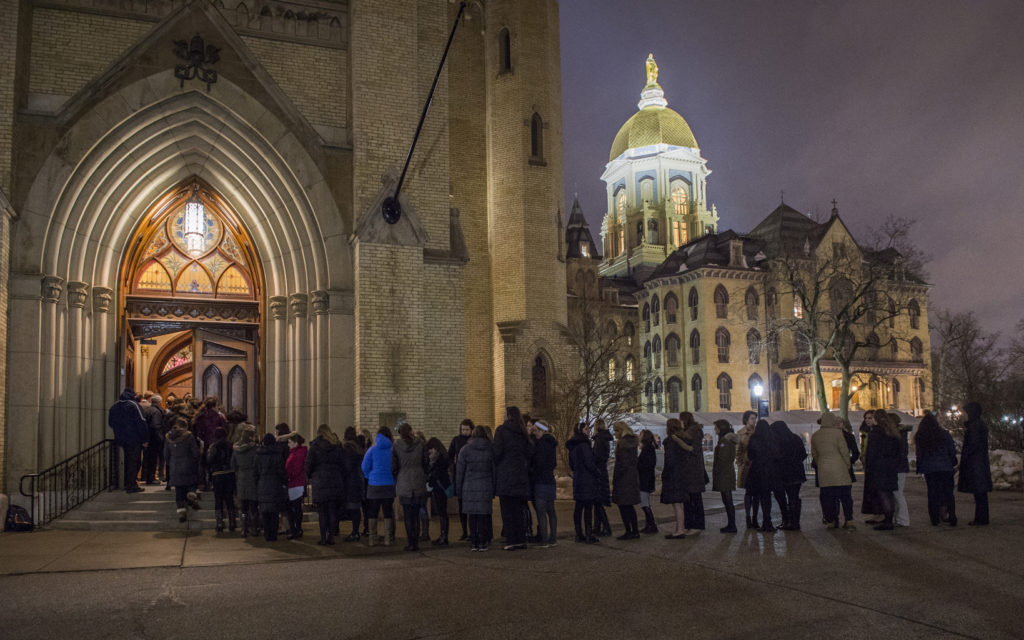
x=659, y=394
x=801, y=392
x=840, y=294
x=752, y=301
x=630, y=332
x=675, y=387
x=892, y=314
x=776, y=392
x=896, y=393
x=610, y=330
x=914, y=311
x=873, y=344
x=695, y=346
x=894, y=349
x=695, y=386
x=680, y=198
x=236, y=399
x=656, y=349
x=692, y=303
x=620, y=203
x=540, y=384
x=722, y=341
x=724, y=391
x=655, y=310
x=212, y=382
x=672, y=345
x=504, y=51
x=647, y=354
x=630, y=366
x=645, y=315
x=801, y=346
x=649, y=395
x=721, y=302
x=752, y=383
x=536, y=138
x=916, y=349
x=671, y=308
x=647, y=189
x=611, y=368
x=771, y=300
x=754, y=346
x=652, y=231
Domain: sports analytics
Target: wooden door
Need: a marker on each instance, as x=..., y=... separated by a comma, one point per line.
x=128, y=372
x=225, y=367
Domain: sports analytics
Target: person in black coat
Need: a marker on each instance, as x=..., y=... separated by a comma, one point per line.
x=131, y=433
x=871, y=502
x=694, y=474
x=790, y=469
x=763, y=479
x=602, y=453
x=352, y=451
x=626, y=479
x=975, y=468
x=325, y=468
x=542, y=481
x=882, y=464
x=459, y=441
x=271, y=485
x=674, y=489
x=585, y=482
x=646, y=465
x=936, y=461
x=439, y=486
x=512, y=476
x=218, y=463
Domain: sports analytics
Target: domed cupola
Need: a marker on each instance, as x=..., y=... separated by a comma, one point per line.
x=654, y=123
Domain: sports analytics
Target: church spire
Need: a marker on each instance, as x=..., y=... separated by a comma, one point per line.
x=579, y=242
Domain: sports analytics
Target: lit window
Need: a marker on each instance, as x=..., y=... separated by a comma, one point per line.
x=620, y=203
x=611, y=369
x=584, y=250
x=195, y=226
x=679, y=198
x=798, y=308
x=629, y=369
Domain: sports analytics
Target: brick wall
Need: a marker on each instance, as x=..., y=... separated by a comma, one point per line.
x=5, y=272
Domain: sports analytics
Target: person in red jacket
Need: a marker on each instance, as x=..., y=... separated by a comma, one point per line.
x=295, y=466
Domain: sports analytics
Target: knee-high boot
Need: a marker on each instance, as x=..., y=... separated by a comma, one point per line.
x=650, y=526
x=389, y=532
x=730, y=513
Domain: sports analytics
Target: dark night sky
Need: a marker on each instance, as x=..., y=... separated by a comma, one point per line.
x=909, y=108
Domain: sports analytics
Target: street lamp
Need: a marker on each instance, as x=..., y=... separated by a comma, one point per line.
x=762, y=404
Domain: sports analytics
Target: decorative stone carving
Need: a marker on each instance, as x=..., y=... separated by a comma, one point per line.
x=321, y=301
x=278, y=307
x=78, y=294
x=298, y=303
x=52, y=287
x=188, y=310
x=102, y=297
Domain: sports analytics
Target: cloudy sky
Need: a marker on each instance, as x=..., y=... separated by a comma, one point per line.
x=908, y=108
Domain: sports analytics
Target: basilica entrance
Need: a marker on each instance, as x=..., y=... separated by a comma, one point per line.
x=191, y=315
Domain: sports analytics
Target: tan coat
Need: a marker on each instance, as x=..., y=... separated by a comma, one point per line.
x=831, y=455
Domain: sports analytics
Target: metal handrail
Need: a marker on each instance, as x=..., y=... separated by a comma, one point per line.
x=69, y=483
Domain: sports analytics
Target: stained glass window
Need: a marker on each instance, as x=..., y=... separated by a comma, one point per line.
x=182, y=357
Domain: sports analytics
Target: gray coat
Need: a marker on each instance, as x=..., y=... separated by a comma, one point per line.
x=474, y=477
x=181, y=451
x=243, y=459
x=625, y=476
x=408, y=464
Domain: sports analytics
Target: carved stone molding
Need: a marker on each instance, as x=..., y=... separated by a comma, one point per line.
x=78, y=294
x=188, y=310
x=298, y=303
x=278, y=307
x=321, y=301
x=52, y=287
x=101, y=299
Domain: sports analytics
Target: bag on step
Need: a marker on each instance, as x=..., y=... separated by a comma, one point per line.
x=18, y=519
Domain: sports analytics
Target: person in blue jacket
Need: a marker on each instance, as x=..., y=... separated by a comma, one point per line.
x=380, y=490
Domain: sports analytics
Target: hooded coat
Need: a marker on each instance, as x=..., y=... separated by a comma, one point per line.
x=243, y=462
x=206, y=422
x=673, y=480
x=585, y=475
x=271, y=479
x=511, y=461
x=181, y=451
x=831, y=453
x=975, y=469
x=376, y=464
x=792, y=453
x=125, y=417
x=543, y=460
x=409, y=464
x=474, y=476
x=723, y=470
x=325, y=467
x=762, y=453
x=941, y=459
x=625, y=474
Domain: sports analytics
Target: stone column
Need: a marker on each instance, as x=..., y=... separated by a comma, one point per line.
x=52, y=290
x=78, y=296
x=102, y=365
x=321, y=303
x=277, y=343
x=300, y=379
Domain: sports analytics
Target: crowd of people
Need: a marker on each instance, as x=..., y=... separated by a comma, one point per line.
x=194, y=447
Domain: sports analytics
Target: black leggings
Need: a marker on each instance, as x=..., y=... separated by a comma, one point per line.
x=295, y=516
x=439, y=503
x=582, y=513
x=479, y=529
x=376, y=505
x=327, y=512
x=411, y=515
x=628, y=514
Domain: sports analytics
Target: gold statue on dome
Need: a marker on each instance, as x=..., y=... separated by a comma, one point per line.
x=652, y=70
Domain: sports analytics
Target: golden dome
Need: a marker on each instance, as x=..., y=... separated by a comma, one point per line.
x=652, y=125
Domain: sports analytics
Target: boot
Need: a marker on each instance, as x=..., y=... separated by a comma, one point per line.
x=232, y=520
x=730, y=512
x=372, y=539
x=424, y=529
x=193, y=500
x=588, y=534
x=182, y=514
x=442, y=540
x=220, y=521
x=650, y=525
x=389, y=532
x=794, y=516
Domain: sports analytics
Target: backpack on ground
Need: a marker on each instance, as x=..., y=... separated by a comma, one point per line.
x=18, y=519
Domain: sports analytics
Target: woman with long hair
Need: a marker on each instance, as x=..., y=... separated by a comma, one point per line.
x=626, y=479
x=380, y=487
x=751, y=502
x=646, y=465
x=474, y=484
x=409, y=459
x=882, y=466
x=602, y=442
x=790, y=465
x=723, y=471
x=325, y=466
x=295, y=465
x=764, y=481
x=871, y=502
x=352, y=452
x=585, y=482
x=439, y=485
x=936, y=460
x=512, y=476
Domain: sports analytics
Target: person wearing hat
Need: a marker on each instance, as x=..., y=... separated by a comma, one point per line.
x=831, y=455
x=543, y=460
x=243, y=463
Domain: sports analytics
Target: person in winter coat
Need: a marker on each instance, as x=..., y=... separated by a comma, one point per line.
x=975, y=469
x=586, y=480
x=131, y=433
x=646, y=464
x=408, y=464
x=882, y=465
x=751, y=501
x=871, y=502
x=723, y=471
x=207, y=420
x=459, y=441
x=439, y=486
x=543, y=460
x=901, y=517
x=243, y=463
x=790, y=464
x=218, y=461
x=626, y=479
x=182, y=454
x=831, y=455
x=153, y=457
x=355, y=484
x=602, y=453
x=674, y=487
x=512, y=476
x=295, y=467
x=380, y=487
x=325, y=468
x=936, y=461
x=271, y=485
x=474, y=484
x=763, y=479
x=846, y=493
x=694, y=474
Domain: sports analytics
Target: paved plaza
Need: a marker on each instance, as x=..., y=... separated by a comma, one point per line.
x=917, y=582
